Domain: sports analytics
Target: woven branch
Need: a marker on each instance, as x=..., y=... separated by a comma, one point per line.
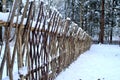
x=44, y=46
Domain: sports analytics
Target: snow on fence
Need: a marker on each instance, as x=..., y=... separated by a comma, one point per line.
x=42, y=44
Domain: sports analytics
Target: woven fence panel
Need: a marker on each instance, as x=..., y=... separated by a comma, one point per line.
x=40, y=44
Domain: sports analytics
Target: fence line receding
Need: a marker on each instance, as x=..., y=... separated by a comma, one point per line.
x=38, y=43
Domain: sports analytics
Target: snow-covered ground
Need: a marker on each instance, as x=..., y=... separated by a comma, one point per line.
x=101, y=62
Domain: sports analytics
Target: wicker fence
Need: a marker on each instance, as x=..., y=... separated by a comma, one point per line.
x=42, y=44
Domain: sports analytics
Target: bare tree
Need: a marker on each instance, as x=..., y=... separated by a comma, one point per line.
x=101, y=35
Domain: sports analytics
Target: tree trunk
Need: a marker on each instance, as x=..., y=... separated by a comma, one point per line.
x=111, y=32
x=81, y=13
x=0, y=35
x=101, y=36
x=73, y=13
x=112, y=23
x=0, y=26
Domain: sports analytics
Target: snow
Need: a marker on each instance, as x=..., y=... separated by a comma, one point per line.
x=5, y=77
x=101, y=62
x=23, y=71
x=68, y=18
x=4, y=16
x=16, y=77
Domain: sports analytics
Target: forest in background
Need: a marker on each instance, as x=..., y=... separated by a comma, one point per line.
x=99, y=18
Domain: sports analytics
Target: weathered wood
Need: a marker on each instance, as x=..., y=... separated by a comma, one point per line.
x=46, y=48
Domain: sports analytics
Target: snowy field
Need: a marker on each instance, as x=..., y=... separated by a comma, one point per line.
x=101, y=62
